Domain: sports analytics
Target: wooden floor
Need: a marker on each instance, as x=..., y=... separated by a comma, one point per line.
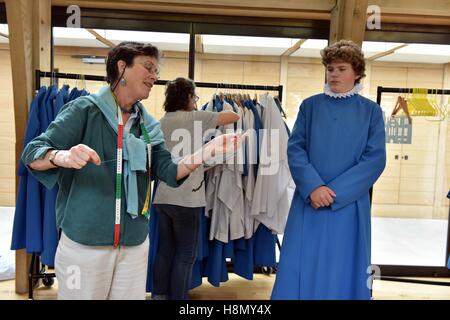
x=260, y=288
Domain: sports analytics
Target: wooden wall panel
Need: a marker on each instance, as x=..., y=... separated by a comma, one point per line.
x=303, y=81
x=388, y=183
x=392, y=170
x=402, y=211
x=417, y=198
x=384, y=197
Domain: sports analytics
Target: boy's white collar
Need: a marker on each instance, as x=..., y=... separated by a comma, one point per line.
x=355, y=90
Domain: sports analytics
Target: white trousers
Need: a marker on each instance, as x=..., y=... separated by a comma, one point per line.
x=100, y=272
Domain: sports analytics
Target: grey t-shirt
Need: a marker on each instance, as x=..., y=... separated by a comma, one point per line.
x=183, y=134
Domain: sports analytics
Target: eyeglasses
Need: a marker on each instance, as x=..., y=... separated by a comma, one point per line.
x=196, y=98
x=151, y=68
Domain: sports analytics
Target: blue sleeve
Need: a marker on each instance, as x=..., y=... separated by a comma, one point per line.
x=356, y=181
x=305, y=176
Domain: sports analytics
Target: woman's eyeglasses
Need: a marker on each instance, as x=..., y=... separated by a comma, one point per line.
x=152, y=69
x=196, y=98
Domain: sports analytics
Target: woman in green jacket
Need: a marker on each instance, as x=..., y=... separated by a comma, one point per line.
x=101, y=150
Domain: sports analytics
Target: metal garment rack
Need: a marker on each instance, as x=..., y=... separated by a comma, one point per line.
x=416, y=271
x=58, y=75
x=37, y=272
x=381, y=90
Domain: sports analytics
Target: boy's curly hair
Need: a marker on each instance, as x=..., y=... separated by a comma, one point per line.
x=345, y=51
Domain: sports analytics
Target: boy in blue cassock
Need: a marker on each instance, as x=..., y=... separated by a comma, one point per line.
x=336, y=153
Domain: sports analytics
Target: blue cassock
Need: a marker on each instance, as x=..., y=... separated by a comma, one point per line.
x=340, y=143
x=27, y=218
x=49, y=230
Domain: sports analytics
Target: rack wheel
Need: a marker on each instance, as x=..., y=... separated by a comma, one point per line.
x=48, y=282
x=266, y=270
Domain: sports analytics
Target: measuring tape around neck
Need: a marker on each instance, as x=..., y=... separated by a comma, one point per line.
x=119, y=175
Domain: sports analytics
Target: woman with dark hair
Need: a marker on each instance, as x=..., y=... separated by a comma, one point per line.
x=101, y=150
x=336, y=152
x=179, y=209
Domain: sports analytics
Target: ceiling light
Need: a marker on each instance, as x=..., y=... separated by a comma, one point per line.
x=93, y=60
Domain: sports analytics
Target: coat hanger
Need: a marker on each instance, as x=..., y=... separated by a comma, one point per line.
x=238, y=99
x=246, y=95
x=228, y=95
x=419, y=103
x=438, y=106
x=76, y=81
x=52, y=78
x=66, y=82
x=401, y=104
x=234, y=96
x=220, y=94
x=83, y=81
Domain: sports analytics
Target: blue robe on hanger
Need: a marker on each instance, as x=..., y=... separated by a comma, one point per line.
x=61, y=99
x=27, y=226
x=49, y=229
x=340, y=143
x=74, y=93
x=258, y=251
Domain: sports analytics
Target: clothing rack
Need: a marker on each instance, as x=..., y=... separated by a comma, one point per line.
x=380, y=91
x=36, y=272
x=59, y=75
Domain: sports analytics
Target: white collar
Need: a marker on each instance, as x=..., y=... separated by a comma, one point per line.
x=356, y=89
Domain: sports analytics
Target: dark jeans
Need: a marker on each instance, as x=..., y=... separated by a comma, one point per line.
x=177, y=249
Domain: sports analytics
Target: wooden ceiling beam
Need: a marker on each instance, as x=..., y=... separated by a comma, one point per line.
x=103, y=40
x=290, y=9
x=386, y=53
x=294, y=48
x=348, y=21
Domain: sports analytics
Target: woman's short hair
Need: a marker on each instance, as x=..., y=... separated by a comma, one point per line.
x=127, y=51
x=178, y=92
x=345, y=51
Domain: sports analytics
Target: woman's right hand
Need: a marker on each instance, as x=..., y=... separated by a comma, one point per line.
x=322, y=197
x=223, y=144
x=77, y=157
